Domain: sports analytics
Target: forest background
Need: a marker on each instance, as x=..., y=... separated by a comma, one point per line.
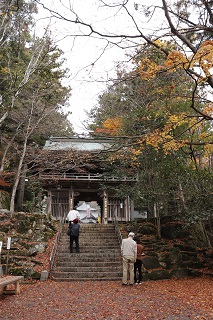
x=158, y=108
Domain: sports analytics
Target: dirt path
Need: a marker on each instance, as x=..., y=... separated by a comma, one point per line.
x=166, y=299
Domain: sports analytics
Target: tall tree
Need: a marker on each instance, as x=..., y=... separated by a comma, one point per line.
x=33, y=98
x=187, y=23
x=158, y=136
x=16, y=20
x=37, y=109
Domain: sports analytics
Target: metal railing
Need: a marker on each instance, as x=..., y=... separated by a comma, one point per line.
x=117, y=230
x=55, y=247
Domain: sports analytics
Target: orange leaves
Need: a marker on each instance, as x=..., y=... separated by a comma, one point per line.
x=175, y=60
x=202, y=59
x=110, y=126
x=3, y=177
x=3, y=183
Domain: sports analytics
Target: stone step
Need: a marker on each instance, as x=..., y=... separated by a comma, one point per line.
x=91, y=235
x=80, y=263
x=88, y=275
x=91, y=244
x=86, y=269
x=90, y=250
x=99, y=257
x=88, y=226
x=82, y=257
x=91, y=231
x=97, y=240
x=95, y=278
x=93, y=228
x=85, y=246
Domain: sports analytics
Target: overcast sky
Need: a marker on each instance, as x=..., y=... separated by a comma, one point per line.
x=89, y=67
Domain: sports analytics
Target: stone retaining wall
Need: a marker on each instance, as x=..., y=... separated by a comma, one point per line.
x=176, y=255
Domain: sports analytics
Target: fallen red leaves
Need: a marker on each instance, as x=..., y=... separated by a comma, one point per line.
x=167, y=299
x=44, y=257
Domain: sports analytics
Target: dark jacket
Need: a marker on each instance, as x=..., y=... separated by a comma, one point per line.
x=75, y=229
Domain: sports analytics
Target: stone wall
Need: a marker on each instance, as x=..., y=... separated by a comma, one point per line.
x=30, y=235
x=181, y=251
x=177, y=254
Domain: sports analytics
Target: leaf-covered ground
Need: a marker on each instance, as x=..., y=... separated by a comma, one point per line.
x=166, y=299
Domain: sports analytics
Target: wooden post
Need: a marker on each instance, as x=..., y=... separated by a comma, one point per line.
x=71, y=198
x=49, y=202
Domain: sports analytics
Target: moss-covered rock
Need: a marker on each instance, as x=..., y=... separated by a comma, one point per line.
x=174, y=230
x=179, y=273
x=29, y=234
x=175, y=255
x=147, y=228
x=150, y=262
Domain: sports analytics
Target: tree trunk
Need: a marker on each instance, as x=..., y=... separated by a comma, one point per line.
x=17, y=177
x=21, y=189
x=157, y=219
x=181, y=196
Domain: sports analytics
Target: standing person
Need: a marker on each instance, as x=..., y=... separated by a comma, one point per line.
x=72, y=214
x=138, y=263
x=74, y=235
x=129, y=254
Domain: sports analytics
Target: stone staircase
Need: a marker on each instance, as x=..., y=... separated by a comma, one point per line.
x=99, y=257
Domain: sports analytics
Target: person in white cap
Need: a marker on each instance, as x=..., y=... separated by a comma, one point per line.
x=129, y=254
x=72, y=214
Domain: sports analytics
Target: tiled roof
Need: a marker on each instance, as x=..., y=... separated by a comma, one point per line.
x=80, y=144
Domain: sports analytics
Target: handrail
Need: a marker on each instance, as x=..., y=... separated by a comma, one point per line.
x=117, y=230
x=84, y=176
x=55, y=247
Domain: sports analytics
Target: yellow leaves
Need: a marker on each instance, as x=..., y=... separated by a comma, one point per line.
x=208, y=150
x=164, y=44
x=177, y=120
x=6, y=13
x=173, y=145
x=202, y=59
x=208, y=109
x=4, y=70
x=148, y=69
x=165, y=141
x=164, y=138
x=203, y=136
x=154, y=139
x=204, y=56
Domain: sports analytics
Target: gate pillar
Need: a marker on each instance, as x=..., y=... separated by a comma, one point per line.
x=105, y=206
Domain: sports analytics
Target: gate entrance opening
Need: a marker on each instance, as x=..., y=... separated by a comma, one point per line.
x=80, y=179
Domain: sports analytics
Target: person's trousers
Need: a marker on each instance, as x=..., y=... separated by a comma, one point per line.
x=137, y=268
x=72, y=239
x=128, y=269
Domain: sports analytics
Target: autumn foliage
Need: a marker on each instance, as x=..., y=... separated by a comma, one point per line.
x=167, y=299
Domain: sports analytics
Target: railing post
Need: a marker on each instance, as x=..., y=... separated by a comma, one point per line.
x=117, y=230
